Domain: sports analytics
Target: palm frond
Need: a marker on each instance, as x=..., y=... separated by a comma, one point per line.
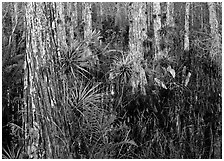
x=13, y=153
x=85, y=95
x=78, y=58
x=122, y=68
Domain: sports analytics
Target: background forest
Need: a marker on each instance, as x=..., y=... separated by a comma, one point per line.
x=111, y=80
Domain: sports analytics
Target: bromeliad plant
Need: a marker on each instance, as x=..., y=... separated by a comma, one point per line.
x=122, y=69
x=119, y=76
x=78, y=58
x=122, y=74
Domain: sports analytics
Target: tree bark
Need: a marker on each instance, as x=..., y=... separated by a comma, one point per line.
x=120, y=17
x=215, y=52
x=148, y=10
x=169, y=24
x=100, y=14
x=202, y=15
x=72, y=20
x=35, y=24
x=137, y=34
x=40, y=81
x=157, y=27
x=60, y=25
x=186, y=36
x=87, y=17
x=170, y=14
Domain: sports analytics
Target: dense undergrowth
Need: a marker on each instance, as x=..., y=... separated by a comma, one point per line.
x=99, y=115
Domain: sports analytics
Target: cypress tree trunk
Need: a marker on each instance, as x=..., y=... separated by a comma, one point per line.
x=170, y=14
x=60, y=24
x=121, y=23
x=137, y=34
x=120, y=17
x=36, y=59
x=98, y=12
x=43, y=122
x=215, y=52
x=87, y=17
x=149, y=6
x=157, y=27
x=202, y=15
x=186, y=36
x=72, y=19
x=169, y=23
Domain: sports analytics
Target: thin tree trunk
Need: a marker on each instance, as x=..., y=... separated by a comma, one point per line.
x=170, y=14
x=87, y=11
x=169, y=23
x=99, y=21
x=121, y=22
x=99, y=7
x=60, y=24
x=192, y=8
x=148, y=15
x=12, y=49
x=72, y=19
x=157, y=27
x=202, y=15
x=215, y=52
x=120, y=18
x=186, y=36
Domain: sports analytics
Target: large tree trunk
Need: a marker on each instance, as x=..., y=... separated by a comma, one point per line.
x=43, y=121
x=48, y=118
x=186, y=36
x=137, y=34
x=36, y=58
x=157, y=27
